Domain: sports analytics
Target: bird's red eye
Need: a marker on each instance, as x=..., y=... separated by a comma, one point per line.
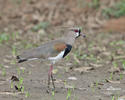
x=76, y=30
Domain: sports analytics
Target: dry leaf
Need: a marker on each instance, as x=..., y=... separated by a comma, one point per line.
x=110, y=81
x=114, y=70
x=83, y=69
x=72, y=78
x=95, y=65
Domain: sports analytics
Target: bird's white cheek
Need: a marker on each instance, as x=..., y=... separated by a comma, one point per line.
x=77, y=34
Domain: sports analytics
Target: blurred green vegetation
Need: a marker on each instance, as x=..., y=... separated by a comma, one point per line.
x=41, y=25
x=94, y=4
x=116, y=11
x=4, y=37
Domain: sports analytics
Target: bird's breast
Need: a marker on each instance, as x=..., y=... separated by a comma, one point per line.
x=56, y=58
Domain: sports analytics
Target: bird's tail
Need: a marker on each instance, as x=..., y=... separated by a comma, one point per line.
x=20, y=60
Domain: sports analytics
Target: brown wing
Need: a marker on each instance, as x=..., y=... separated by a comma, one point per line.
x=60, y=46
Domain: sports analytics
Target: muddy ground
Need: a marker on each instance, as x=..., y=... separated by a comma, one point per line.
x=94, y=70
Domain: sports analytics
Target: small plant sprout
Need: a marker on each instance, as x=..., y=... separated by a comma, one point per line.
x=22, y=90
x=4, y=37
x=18, y=71
x=112, y=43
x=65, y=82
x=68, y=94
x=27, y=94
x=91, y=57
x=23, y=70
x=111, y=76
x=73, y=87
x=19, y=87
x=3, y=72
x=113, y=97
x=15, y=35
x=13, y=62
x=117, y=96
x=11, y=85
x=1, y=66
x=28, y=45
x=97, y=84
x=42, y=25
x=14, y=50
x=115, y=64
x=53, y=93
x=123, y=64
x=21, y=80
x=121, y=42
x=67, y=58
x=121, y=76
x=95, y=4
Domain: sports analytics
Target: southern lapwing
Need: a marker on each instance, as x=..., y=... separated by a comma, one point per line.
x=53, y=50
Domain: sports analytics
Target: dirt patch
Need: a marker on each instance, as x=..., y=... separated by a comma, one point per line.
x=115, y=25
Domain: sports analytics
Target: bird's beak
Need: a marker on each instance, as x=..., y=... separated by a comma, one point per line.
x=83, y=35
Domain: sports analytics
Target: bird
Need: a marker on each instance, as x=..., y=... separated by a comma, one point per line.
x=53, y=50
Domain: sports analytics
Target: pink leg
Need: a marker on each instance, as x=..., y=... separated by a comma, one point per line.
x=50, y=70
x=50, y=75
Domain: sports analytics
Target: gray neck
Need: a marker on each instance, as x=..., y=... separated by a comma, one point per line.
x=70, y=38
x=70, y=41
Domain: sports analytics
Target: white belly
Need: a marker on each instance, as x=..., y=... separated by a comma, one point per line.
x=56, y=58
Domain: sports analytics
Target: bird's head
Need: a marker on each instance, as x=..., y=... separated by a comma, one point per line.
x=77, y=32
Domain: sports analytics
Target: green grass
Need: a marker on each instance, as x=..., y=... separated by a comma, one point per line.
x=18, y=71
x=27, y=94
x=14, y=52
x=94, y=4
x=116, y=11
x=113, y=97
x=68, y=94
x=97, y=84
x=117, y=43
x=3, y=70
x=15, y=35
x=41, y=25
x=21, y=80
x=121, y=76
x=11, y=85
x=4, y=37
x=115, y=64
x=111, y=76
x=123, y=64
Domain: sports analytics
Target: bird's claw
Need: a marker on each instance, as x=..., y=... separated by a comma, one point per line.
x=50, y=90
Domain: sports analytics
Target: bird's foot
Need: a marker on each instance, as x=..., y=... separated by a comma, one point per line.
x=48, y=91
x=51, y=90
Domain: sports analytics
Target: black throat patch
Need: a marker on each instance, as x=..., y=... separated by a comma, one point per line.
x=67, y=50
